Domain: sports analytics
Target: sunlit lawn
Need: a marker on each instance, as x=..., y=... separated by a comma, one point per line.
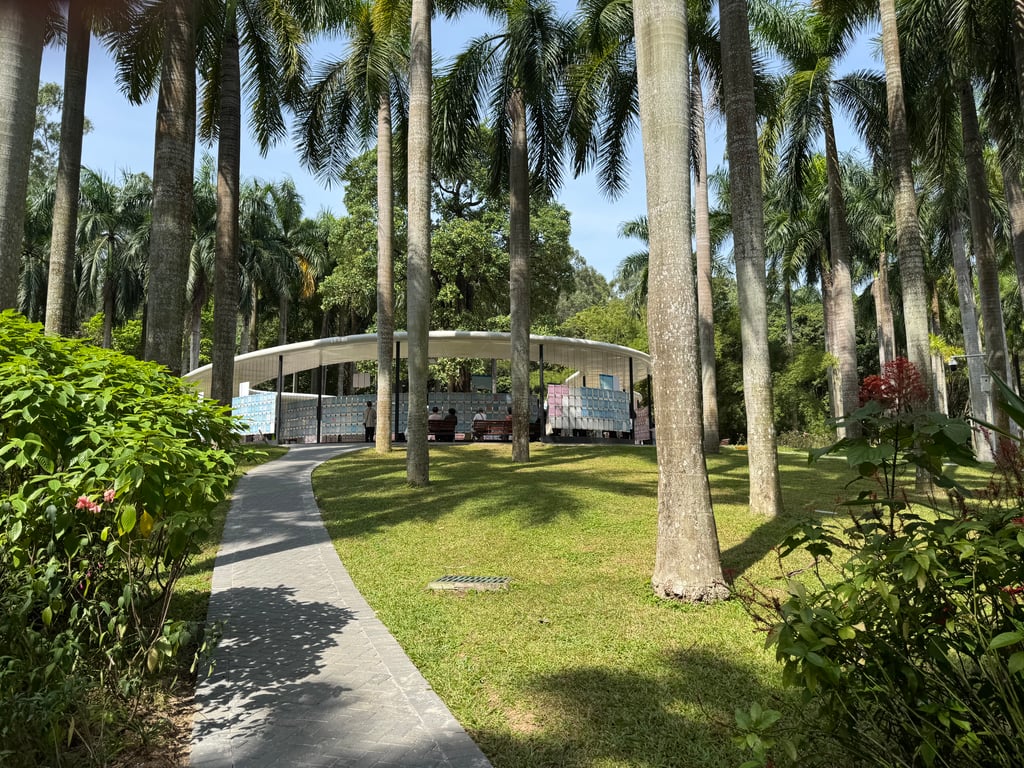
x=577, y=664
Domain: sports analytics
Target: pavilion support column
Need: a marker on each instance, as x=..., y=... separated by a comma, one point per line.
x=399, y=436
x=632, y=412
x=543, y=410
x=278, y=402
x=319, y=405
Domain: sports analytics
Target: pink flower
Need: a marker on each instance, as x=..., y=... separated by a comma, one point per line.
x=85, y=503
x=108, y=495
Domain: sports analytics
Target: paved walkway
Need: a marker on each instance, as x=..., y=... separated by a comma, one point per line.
x=306, y=675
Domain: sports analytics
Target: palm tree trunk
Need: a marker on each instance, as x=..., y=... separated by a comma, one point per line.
x=519, y=276
x=1014, y=192
x=828, y=330
x=60, y=292
x=108, y=313
x=883, y=311
x=844, y=333
x=21, y=51
x=687, y=564
x=908, y=228
x=748, y=236
x=418, y=289
x=385, y=275
x=225, y=273
x=705, y=298
x=938, y=364
x=173, y=159
x=198, y=302
x=282, y=318
x=984, y=248
x=972, y=338
x=787, y=301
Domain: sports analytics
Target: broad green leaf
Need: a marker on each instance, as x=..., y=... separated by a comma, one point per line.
x=1005, y=639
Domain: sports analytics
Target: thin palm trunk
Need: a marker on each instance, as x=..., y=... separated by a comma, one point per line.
x=173, y=160
x=21, y=51
x=687, y=564
x=938, y=364
x=519, y=277
x=385, y=275
x=972, y=338
x=283, y=304
x=984, y=248
x=883, y=312
x=418, y=271
x=705, y=299
x=844, y=333
x=60, y=292
x=108, y=312
x=748, y=237
x=828, y=328
x=908, y=228
x=225, y=273
x=198, y=302
x=1014, y=192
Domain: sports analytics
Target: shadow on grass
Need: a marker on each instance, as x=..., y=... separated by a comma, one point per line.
x=683, y=718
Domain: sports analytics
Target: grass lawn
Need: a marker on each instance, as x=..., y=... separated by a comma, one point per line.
x=577, y=664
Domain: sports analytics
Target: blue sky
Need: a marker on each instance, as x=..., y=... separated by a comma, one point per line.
x=122, y=139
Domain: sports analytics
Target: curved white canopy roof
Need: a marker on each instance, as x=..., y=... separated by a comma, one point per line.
x=589, y=358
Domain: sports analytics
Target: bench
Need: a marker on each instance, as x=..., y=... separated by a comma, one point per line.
x=443, y=431
x=494, y=429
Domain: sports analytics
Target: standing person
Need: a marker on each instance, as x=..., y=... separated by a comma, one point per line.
x=370, y=421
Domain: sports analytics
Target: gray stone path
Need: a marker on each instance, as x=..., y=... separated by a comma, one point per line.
x=306, y=675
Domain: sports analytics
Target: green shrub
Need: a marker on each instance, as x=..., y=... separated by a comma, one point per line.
x=109, y=470
x=909, y=641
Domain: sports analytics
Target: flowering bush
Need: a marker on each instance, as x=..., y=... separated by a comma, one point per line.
x=909, y=639
x=109, y=470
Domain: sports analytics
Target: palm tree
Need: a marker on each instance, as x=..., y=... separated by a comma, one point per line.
x=418, y=290
x=687, y=558
x=202, y=256
x=810, y=46
x=35, y=249
x=519, y=71
x=82, y=17
x=347, y=97
x=21, y=49
x=748, y=237
x=113, y=232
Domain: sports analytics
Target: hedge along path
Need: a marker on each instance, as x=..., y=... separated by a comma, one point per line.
x=305, y=674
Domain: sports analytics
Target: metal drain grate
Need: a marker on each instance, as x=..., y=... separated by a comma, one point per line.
x=470, y=582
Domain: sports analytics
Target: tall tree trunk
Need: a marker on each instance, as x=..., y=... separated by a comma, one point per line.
x=385, y=275
x=828, y=330
x=21, y=51
x=283, y=304
x=108, y=313
x=984, y=248
x=908, y=228
x=519, y=276
x=60, y=289
x=418, y=289
x=844, y=332
x=225, y=274
x=748, y=238
x=198, y=302
x=173, y=159
x=687, y=564
x=1014, y=192
x=972, y=338
x=787, y=302
x=886, y=327
x=705, y=297
x=938, y=364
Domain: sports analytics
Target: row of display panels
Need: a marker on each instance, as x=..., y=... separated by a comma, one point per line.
x=569, y=408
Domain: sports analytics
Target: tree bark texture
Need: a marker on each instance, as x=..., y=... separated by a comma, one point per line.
x=21, y=52
x=705, y=297
x=226, y=288
x=385, y=276
x=1014, y=191
x=418, y=289
x=173, y=160
x=748, y=241
x=687, y=565
x=60, y=287
x=886, y=327
x=519, y=277
x=980, y=207
x=844, y=332
x=908, y=228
